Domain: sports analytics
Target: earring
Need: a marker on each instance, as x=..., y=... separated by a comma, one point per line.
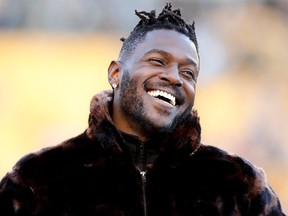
x=114, y=85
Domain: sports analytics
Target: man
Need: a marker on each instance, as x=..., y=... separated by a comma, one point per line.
x=141, y=154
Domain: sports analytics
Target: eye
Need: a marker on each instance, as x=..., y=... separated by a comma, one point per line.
x=189, y=74
x=157, y=61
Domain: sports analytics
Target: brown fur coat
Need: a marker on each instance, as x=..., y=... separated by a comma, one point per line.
x=93, y=174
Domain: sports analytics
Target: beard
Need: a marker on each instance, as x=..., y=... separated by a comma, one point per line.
x=133, y=107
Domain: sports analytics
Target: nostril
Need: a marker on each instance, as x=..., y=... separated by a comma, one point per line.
x=179, y=84
x=164, y=78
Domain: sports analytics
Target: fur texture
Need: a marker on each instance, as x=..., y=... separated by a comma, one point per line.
x=93, y=174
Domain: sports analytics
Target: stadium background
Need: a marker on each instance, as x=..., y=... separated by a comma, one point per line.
x=54, y=56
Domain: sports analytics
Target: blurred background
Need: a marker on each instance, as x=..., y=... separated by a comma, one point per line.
x=54, y=56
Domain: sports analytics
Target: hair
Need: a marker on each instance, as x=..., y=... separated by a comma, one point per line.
x=168, y=19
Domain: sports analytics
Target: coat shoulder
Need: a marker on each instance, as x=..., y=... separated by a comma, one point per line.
x=54, y=158
x=238, y=175
x=231, y=163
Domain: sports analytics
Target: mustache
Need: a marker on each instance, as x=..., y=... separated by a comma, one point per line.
x=180, y=98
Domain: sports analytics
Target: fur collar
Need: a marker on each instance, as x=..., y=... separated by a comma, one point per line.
x=187, y=136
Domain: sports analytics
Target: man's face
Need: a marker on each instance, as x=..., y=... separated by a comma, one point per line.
x=157, y=83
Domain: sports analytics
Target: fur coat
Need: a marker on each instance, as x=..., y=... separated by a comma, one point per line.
x=94, y=174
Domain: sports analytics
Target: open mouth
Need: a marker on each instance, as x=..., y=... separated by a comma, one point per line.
x=164, y=96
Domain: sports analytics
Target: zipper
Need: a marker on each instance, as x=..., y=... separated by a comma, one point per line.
x=142, y=170
x=143, y=176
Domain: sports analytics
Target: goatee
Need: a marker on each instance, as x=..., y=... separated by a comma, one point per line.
x=133, y=107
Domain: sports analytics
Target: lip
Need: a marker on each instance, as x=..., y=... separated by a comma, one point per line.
x=160, y=103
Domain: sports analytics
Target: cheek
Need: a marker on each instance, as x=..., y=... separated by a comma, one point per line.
x=190, y=90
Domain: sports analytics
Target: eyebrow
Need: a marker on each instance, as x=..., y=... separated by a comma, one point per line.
x=169, y=55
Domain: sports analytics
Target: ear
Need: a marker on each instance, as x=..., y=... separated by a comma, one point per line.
x=114, y=70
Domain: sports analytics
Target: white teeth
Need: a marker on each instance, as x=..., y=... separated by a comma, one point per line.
x=156, y=93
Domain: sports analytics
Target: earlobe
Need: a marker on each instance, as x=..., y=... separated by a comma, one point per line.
x=113, y=72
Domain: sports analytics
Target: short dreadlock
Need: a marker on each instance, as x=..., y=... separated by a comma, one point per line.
x=168, y=19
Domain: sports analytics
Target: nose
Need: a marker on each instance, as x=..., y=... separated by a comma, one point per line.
x=172, y=76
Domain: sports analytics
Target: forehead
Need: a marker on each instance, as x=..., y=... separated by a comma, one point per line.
x=169, y=41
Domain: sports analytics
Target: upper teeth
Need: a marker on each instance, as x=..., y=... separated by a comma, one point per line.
x=156, y=93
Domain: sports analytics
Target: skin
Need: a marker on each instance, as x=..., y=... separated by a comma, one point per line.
x=165, y=60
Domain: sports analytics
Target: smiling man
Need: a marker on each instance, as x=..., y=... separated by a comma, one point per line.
x=141, y=153
x=159, y=80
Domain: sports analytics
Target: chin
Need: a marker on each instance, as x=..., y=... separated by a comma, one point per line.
x=159, y=126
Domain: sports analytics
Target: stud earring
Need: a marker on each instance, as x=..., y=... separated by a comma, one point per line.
x=114, y=85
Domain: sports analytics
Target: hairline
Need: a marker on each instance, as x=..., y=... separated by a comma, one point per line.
x=127, y=50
